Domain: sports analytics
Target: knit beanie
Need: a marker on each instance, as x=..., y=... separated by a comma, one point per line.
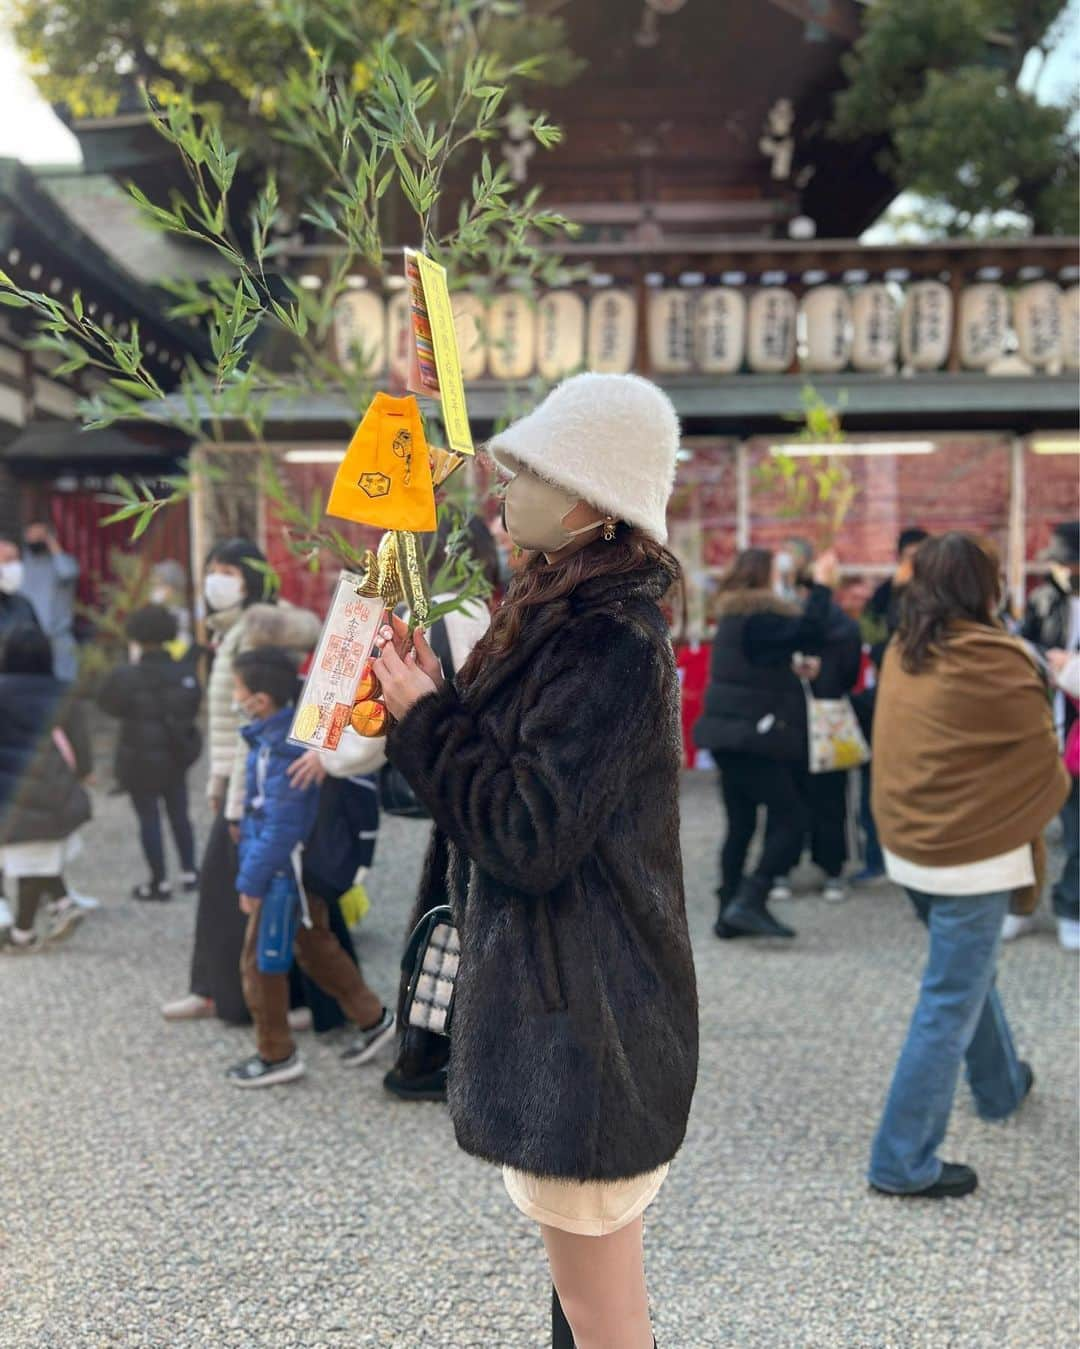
x=610, y=439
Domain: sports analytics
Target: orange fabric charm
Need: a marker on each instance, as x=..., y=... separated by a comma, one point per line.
x=385, y=477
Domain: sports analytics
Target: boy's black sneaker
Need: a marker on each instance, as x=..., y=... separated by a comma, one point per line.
x=256, y=1072
x=424, y=1087
x=158, y=891
x=367, y=1043
x=955, y=1181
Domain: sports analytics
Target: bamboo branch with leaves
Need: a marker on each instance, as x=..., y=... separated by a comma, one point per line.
x=818, y=487
x=398, y=132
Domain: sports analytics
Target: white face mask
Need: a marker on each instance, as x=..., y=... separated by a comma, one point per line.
x=535, y=511
x=11, y=577
x=223, y=591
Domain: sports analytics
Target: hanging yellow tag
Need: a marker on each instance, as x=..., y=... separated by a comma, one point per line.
x=385, y=477
x=435, y=338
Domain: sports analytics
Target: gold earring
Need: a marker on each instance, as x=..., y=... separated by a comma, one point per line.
x=609, y=530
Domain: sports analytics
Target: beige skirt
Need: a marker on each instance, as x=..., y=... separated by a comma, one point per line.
x=593, y=1208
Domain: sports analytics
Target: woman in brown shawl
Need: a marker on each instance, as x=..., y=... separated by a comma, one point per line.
x=966, y=777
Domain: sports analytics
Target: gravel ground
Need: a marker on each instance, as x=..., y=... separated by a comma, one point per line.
x=145, y=1203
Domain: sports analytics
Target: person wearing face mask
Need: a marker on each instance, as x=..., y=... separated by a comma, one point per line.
x=243, y=615
x=48, y=582
x=16, y=611
x=754, y=725
x=169, y=587
x=1052, y=626
x=550, y=766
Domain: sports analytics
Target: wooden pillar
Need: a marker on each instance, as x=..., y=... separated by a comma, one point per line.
x=742, y=495
x=1015, y=560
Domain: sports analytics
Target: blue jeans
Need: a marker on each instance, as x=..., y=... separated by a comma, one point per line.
x=1067, y=890
x=957, y=1019
x=874, y=859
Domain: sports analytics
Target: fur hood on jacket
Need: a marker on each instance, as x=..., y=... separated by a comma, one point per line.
x=740, y=603
x=553, y=780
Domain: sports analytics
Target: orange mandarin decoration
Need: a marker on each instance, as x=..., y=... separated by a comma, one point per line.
x=369, y=718
x=368, y=688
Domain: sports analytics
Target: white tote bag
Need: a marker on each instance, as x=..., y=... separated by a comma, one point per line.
x=835, y=737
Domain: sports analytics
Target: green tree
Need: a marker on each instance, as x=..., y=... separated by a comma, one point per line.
x=939, y=79
x=232, y=54
x=400, y=130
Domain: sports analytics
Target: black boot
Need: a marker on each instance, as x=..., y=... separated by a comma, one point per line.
x=562, y=1337
x=722, y=929
x=749, y=914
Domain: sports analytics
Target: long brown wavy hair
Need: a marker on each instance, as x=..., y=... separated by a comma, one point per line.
x=751, y=570
x=540, y=582
x=955, y=578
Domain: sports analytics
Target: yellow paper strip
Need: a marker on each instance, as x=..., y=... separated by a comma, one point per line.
x=447, y=361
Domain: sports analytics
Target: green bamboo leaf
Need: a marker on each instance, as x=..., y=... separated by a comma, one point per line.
x=123, y=513
x=428, y=55
x=13, y=301
x=142, y=524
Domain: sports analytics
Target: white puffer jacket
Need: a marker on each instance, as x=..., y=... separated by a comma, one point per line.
x=278, y=624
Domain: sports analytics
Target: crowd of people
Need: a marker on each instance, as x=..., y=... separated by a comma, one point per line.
x=554, y=853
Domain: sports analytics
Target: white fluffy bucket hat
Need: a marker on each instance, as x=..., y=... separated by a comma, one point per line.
x=612, y=439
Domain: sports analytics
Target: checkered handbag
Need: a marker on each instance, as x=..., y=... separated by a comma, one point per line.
x=431, y=960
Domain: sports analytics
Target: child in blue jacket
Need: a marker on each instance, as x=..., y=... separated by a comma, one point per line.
x=278, y=817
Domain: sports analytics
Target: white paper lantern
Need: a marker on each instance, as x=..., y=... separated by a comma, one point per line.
x=873, y=316
x=827, y=313
x=560, y=334
x=612, y=332
x=720, y=330
x=926, y=325
x=1038, y=320
x=1070, y=328
x=771, y=340
x=511, y=336
x=671, y=331
x=360, y=331
x=470, y=325
x=399, y=334
x=984, y=325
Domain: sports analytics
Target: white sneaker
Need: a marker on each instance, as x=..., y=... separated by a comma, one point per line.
x=1069, y=934
x=64, y=917
x=835, y=891
x=87, y=902
x=191, y=1007
x=1017, y=925
x=781, y=889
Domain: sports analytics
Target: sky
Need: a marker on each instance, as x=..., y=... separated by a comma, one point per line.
x=31, y=131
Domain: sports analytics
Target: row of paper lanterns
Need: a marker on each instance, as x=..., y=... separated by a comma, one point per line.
x=722, y=330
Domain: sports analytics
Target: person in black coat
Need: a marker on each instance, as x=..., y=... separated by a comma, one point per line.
x=156, y=701
x=16, y=611
x=754, y=725
x=825, y=794
x=551, y=770
x=44, y=759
